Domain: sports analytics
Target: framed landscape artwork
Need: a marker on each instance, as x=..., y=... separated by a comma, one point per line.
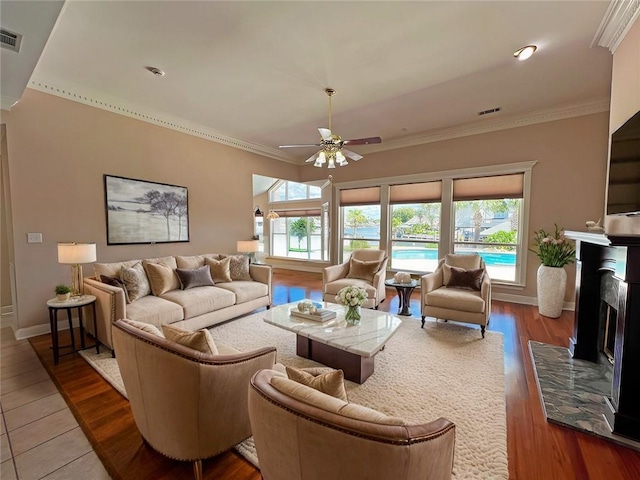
x=138, y=211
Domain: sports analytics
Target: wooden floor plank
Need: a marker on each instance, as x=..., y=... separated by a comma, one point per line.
x=536, y=449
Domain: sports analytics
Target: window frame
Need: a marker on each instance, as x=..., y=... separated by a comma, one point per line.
x=447, y=219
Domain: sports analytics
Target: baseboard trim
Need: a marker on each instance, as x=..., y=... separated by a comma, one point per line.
x=42, y=329
x=298, y=268
x=524, y=300
x=6, y=310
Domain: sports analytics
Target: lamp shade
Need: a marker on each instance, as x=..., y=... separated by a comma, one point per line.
x=75, y=253
x=247, y=246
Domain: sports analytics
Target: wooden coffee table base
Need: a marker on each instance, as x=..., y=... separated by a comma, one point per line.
x=355, y=368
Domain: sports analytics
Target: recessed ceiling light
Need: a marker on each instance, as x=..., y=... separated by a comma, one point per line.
x=156, y=71
x=524, y=52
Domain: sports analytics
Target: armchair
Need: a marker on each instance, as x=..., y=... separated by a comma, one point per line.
x=303, y=434
x=366, y=268
x=463, y=296
x=187, y=405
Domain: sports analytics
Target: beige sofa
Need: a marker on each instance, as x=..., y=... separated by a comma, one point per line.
x=191, y=309
x=303, y=434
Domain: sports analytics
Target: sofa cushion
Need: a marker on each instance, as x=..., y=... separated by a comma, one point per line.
x=145, y=327
x=115, y=282
x=170, y=261
x=461, y=278
x=460, y=260
x=239, y=267
x=364, y=270
x=456, y=299
x=358, y=412
x=112, y=269
x=219, y=269
x=200, y=340
x=334, y=287
x=245, y=291
x=162, y=277
x=194, y=261
x=155, y=310
x=324, y=380
x=135, y=281
x=307, y=395
x=194, y=277
x=200, y=300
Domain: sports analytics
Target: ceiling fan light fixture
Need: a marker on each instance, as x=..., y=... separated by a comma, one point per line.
x=525, y=52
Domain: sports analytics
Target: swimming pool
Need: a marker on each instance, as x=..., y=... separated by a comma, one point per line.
x=490, y=258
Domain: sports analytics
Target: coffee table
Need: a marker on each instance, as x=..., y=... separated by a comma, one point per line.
x=351, y=348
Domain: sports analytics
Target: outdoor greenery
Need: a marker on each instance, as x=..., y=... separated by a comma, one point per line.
x=502, y=237
x=300, y=229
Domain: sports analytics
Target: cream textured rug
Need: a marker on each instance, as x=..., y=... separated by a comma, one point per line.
x=443, y=370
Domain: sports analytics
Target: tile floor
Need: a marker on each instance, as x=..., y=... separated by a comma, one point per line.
x=40, y=437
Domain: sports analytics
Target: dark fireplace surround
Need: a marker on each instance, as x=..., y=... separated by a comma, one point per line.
x=608, y=286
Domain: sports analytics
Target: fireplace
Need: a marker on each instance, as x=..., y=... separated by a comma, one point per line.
x=607, y=320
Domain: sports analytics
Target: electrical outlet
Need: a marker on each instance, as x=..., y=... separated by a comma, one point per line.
x=34, y=238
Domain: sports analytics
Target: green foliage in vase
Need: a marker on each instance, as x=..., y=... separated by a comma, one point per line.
x=553, y=249
x=62, y=289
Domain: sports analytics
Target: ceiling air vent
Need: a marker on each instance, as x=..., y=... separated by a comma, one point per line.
x=10, y=40
x=491, y=110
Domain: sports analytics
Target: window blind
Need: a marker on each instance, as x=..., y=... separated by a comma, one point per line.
x=416, y=192
x=360, y=196
x=302, y=212
x=487, y=188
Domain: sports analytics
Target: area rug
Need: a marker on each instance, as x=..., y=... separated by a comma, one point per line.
x=441, y=370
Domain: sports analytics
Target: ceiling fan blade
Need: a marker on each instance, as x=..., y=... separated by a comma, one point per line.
x=363, y=141
x=312, y=158
x=325, y=133
x=296, y=146
x=352, y=155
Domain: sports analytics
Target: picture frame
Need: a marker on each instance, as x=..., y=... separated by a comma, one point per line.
x=144, y=212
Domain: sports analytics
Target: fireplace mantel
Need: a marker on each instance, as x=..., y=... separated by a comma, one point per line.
x=618, y=257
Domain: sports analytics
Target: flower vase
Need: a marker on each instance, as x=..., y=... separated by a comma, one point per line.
x=353, y=315
x=552, y=283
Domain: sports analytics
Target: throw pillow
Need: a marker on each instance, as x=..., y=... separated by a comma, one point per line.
x=239, y=267
x=145, y=327
x=161, y=277
x=200, y=340
x=219, y=269
x=468, y=261
x=195, y=277
x=115, y=282
x=364, y=270
x=330, y=382
x=135, y=281
x=469, y=279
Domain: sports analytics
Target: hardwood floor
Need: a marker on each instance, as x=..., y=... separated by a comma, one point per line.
x=536, y=449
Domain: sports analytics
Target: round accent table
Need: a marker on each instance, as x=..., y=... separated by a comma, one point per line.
x=404, y=294
x=73, y=303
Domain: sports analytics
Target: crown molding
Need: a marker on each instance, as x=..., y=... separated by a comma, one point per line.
x=122, y=107
x=80, y=94
x=503, y=123
x=7, y=102
x=617, y=21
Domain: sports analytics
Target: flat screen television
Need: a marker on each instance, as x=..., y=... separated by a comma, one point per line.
x=623, y=184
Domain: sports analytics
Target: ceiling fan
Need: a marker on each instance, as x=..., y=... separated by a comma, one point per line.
x=332, y=151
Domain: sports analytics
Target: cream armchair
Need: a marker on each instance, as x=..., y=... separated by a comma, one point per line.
x=366, y=268
x=303, y=434
x=463, y=296
x=187, y=405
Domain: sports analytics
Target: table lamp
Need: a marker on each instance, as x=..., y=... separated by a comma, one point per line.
x=74, y=254
x=250, y=247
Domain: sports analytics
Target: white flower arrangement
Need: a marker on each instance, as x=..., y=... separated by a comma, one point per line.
x=352, y=296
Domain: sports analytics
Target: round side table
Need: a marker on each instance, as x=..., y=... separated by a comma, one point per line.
x=404, y=294
x=73, y=303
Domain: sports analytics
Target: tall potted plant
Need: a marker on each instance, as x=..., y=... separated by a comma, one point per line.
x=554, y=251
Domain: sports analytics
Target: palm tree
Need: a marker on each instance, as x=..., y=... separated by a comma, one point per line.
x=355, y=219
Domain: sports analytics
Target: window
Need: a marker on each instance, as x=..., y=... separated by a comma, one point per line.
x=299, y=231
x=418, y=219
x=487, y=221
x=297, y=234
x=415, y=225
x=360, y=214
x=287, y=191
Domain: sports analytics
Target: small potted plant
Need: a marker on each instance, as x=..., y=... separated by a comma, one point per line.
x=63, y=292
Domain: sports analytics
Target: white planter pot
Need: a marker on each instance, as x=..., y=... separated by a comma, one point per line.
x=552, y=283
